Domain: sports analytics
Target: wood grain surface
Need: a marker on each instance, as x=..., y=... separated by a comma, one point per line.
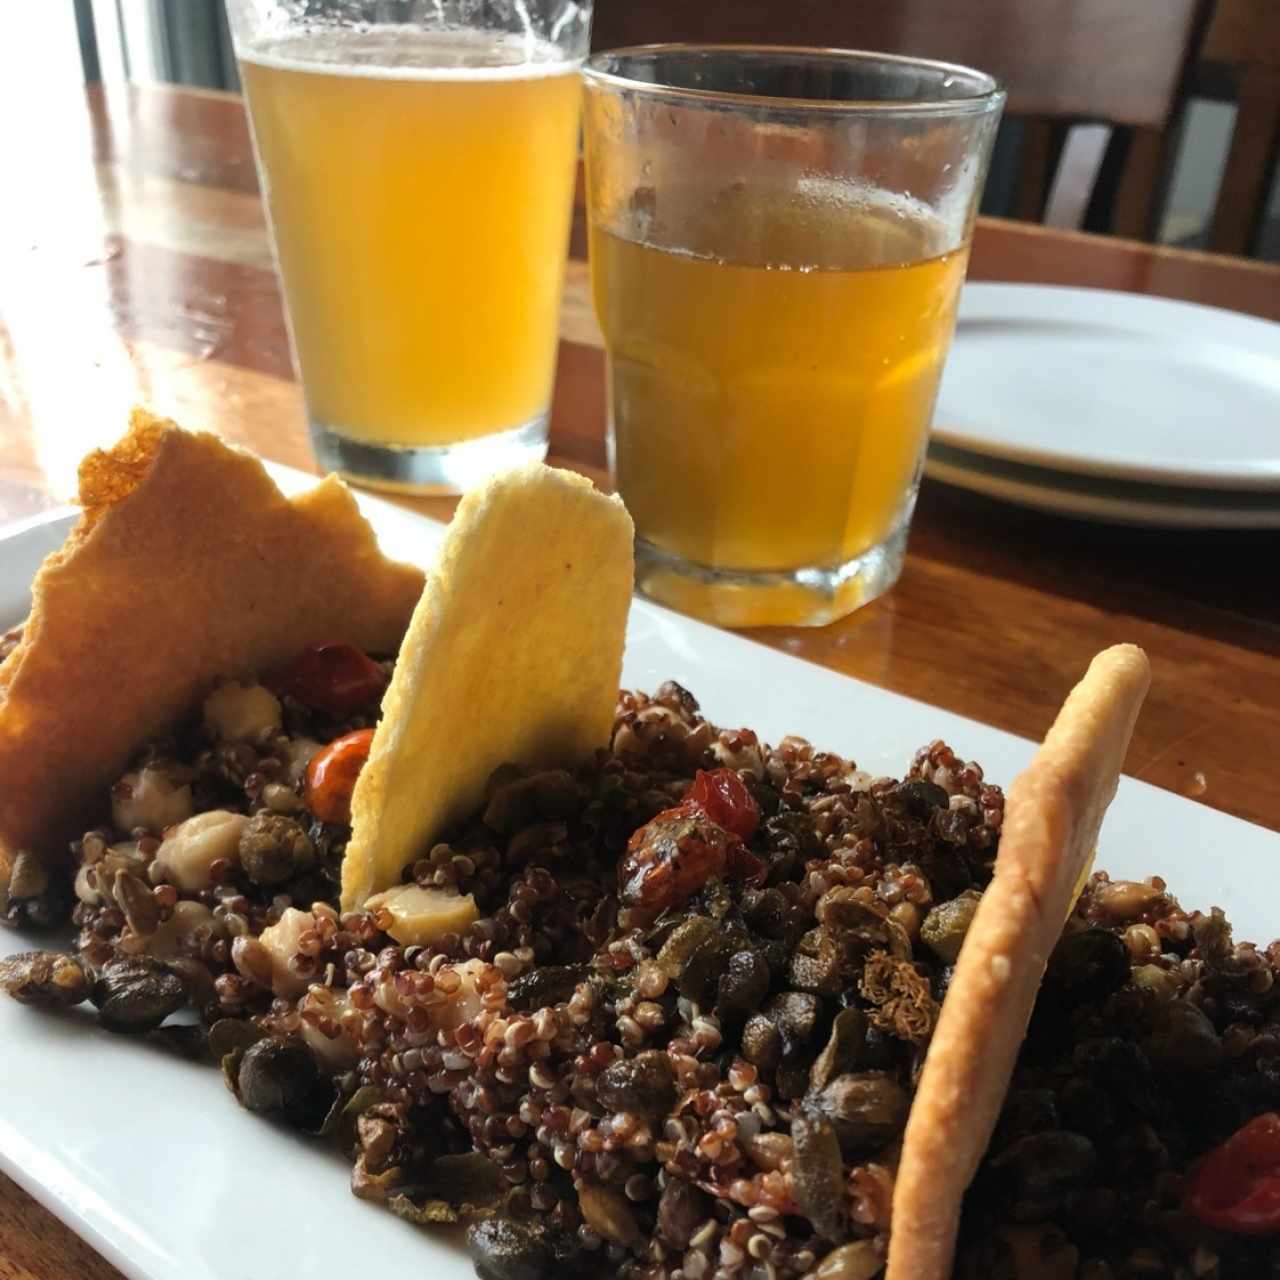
x=134, y=266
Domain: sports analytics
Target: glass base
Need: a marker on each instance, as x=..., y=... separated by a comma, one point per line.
x=445, y=468
x=809, y=597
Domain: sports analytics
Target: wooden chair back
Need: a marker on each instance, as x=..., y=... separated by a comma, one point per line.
x=1245, y=37
x=1119, y=62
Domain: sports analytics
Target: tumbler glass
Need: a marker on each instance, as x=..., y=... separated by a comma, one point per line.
x=418, y=163
x=778, y=238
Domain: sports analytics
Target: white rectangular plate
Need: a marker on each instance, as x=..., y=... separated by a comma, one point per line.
x=149, y=1159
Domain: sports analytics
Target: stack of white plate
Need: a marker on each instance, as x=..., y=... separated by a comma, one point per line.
x=1112, y=406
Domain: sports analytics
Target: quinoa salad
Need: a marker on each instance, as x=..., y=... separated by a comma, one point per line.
x=662, y=1016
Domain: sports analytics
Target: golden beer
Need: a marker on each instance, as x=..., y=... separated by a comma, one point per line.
x=767, y=415
x=420, y=186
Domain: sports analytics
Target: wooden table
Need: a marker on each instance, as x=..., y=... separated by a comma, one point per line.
x=134, y=266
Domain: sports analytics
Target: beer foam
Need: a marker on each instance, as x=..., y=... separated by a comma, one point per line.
x=803, y=223
x=400, y=52
x=855, y=195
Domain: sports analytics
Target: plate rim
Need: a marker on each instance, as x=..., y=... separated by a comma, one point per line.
x=977, y=293
x=1080, y=504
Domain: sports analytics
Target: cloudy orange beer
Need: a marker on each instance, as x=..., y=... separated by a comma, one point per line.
x=420, y=186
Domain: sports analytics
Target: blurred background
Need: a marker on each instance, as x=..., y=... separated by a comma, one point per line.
x=1155, y=119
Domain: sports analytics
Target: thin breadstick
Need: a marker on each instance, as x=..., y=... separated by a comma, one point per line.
x=1050, y=832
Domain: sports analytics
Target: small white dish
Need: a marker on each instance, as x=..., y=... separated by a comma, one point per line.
x=1096, y=382
x=151, y=1161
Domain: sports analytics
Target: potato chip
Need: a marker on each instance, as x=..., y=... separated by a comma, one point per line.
x=514, y=655
x=187, y=563
x=1051, y=821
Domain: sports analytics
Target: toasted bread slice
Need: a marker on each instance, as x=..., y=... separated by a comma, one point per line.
x=186, y=564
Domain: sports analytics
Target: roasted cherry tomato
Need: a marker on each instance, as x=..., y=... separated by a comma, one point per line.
x=335, y=678
x=672, y=856
x=332, y=774
x=1236, y=1186
x=725, y=799
x=745, y=865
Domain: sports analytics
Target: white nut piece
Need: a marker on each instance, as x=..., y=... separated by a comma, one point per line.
x=446, y=1014
x=188, y=852
x=341, y=1052
x=235, y=711
x=744, y=753
x=467, y=1004
x=297, y=755
x=86, y=888
x=281, y=942
x=149, y=799
x=187, y=917
x=420, y=916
